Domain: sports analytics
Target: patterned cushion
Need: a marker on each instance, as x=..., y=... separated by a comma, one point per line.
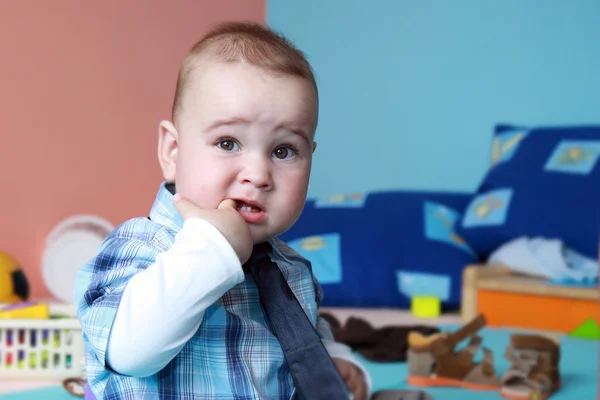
x=542, y=182
x=380, y=249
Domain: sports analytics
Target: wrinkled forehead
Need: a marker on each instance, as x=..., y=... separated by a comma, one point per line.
x=211, y=81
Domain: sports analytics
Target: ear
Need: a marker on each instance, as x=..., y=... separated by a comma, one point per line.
x=168, y=140
x=314, y=146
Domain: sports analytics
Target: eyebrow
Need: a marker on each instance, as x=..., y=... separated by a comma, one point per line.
x=227, y=122
x=243, y=121
x=296, y=131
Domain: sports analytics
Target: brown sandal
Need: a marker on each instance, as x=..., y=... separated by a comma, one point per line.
x=384, y=344
x=533, y=373
x=432, y=360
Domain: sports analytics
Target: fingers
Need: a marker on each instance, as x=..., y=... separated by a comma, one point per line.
x=353, y=378
x=183, y=206
x=360, y=393
x=187, y=209
x=342, y=368
x=227, y=204
x=357, y=385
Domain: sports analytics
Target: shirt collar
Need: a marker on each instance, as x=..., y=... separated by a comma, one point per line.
x=163, y=211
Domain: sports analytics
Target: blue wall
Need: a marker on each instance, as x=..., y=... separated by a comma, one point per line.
x=410, y=90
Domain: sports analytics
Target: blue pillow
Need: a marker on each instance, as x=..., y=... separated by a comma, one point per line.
x=542, y=182
x=379, y=249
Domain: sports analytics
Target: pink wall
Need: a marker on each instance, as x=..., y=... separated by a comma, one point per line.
x=83, y=87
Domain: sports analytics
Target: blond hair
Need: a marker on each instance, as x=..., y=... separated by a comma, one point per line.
x=256, y=44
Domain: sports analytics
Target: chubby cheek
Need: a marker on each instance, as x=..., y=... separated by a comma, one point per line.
x=294, y=193
x=202, y=184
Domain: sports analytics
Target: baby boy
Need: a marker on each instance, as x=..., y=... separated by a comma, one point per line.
x=166, y=306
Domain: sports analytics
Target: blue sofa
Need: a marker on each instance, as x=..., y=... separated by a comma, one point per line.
x=380, y=249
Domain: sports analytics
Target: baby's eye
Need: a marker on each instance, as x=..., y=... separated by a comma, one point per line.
x=228, y=145
x=284, y=152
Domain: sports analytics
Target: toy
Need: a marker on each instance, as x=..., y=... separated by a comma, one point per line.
x=425, y=306
x=14, y=287
x=426, y=291
x=520, y=301
x=27, y=310
x=588, y=330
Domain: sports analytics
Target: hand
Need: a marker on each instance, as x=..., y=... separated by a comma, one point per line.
x=225, y=218
x=353, y=377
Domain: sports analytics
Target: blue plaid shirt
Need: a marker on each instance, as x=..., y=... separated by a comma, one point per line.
x=233, y=355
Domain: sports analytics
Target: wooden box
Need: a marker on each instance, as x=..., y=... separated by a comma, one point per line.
x=517, y=301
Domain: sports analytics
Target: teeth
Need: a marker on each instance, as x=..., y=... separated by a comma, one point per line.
x=247, y=208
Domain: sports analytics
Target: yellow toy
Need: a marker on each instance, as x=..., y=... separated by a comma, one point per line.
x=426, y=306
x=27, y=310
x=14, y=287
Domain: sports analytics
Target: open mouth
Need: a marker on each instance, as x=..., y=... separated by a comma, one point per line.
x=245, y=207
x=251, y=212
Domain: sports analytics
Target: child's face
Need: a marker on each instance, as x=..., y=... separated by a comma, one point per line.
x=244, y=134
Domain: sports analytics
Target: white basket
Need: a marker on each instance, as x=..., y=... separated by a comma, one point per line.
x=42, y=348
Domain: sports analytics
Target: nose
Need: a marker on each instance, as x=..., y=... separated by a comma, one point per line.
x=257, y=172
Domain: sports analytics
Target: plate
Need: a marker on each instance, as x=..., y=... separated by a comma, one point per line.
x=69, y=246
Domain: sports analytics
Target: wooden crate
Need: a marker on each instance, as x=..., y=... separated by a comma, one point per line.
x=511, y=300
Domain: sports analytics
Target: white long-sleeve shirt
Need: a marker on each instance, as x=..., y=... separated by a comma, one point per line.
x=163, y=306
